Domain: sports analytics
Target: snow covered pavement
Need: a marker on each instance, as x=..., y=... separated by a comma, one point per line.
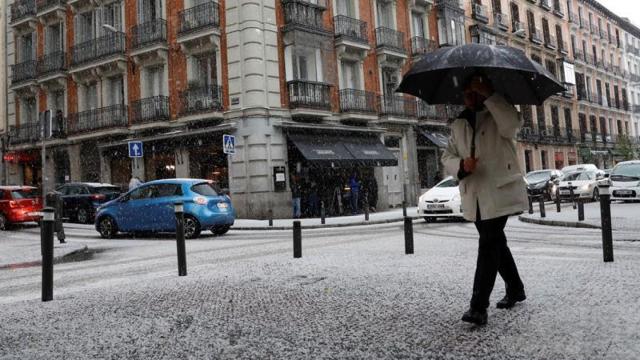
x=353, y=294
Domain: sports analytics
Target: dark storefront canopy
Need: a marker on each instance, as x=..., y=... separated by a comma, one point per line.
x=335, y=150
x=437, y=138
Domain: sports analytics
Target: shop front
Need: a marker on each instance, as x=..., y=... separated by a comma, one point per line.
x=431, y=142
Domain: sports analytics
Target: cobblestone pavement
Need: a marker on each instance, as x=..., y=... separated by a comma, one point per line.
x=353, y=294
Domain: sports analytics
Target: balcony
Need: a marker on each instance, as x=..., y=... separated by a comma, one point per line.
x=535, y=36
x=309, y=98
x=573, y=18
x=557, y=9
x=603, y=35
x=351, y=36
x=501, y=21
x=588, y=58
x=25, y=133
x=550, y=42
x=390, y=47
x=104, y=51
x=397, y=106
x=23, y=74
x=421, y=46
x=200, y=100
x=53, y=67
x=305, y=15
x=436, y=112
x=23, y=14
x=479, y=12
x=96, y=121
x=594, y=30
x=518, y=28
x=150, y=110
x=199, y=28
x=545, y=5
x=358, y=105
x=149, y=41
x=451, y=4
x=51, y=10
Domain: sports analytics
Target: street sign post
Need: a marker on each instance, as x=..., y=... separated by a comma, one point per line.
x=229, y=144
x=45, y=133
x=136, y=149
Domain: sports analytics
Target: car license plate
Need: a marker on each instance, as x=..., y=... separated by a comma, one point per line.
x=624, y=192
x=435, y=206
x=564, y=192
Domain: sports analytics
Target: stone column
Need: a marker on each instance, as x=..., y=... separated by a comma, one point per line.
x=75, y=164
x=182, y=163
x=105, y=167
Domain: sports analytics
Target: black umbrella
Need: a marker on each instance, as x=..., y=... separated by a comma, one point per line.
x=438, y=78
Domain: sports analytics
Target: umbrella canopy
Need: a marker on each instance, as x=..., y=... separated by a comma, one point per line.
x=439, y=77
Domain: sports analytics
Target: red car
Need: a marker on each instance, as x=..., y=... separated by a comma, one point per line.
x=17, y=205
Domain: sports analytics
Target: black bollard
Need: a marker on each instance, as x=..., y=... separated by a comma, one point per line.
x=408, y=235
x=270, y=217
x=297, y=240
x=573, y=199
x=182, y=256
x=543, y=212
x=530, y=204
x=558, y=201
x=404, y=209
x=605, y=215
x=366, y=207
x=47, y=228
x=322, y=213
x=580, y=210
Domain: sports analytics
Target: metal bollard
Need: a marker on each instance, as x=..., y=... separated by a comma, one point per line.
x=270, y=217
x=297, y=240
x=605, y=215
x=571, y=196
x=322, y=213
x=543, y=212
x=408, y=235
x=366, y=207
x=404, y=208
x=47, y=228
x=580, y=210
x=558, y=202
x=530, y=204
x=182, y=256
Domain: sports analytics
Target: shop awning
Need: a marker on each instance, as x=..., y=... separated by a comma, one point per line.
x=334, y=150
x=437, y=138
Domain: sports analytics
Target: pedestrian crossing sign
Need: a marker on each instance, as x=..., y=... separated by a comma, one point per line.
x=229, y=144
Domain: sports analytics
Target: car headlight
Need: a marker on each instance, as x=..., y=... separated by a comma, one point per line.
x=456, y=197
x=585, y=187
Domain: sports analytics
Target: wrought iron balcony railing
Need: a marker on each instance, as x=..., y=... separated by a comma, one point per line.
x=43, y=5
x=353, y=100
x=52, y=62
x=150, y=32
x=200, y=99
x=535, y=36
x=350, y=28
x=22, y=9
x=420, y=45
x=309, y=94
x=305, y=15
x=28, y=132
x=98, y=48
x=479, y=12
x=391, y=105
x=199, y=17
x=151, y=109
x=390, y=39
x=114, y=116
x=23, y=71
x=501, y=21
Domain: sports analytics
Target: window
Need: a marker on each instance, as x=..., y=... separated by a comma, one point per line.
x=56, y=101
x=206, y=189
x=112, y=16
x=418, y=23
x=91, y=96
x=350, y=74
x=154, y=81
x=541, y=119
x=29, y=110
x=449, y=183
x=143, y=192
x=543, y=158
x=27, y=49
x=385, y=14
x=165, y=190
x=115, y=90
x=203, y=70
x=84, y=27
x=149, y=10
x=53, y=38
x=345, y=7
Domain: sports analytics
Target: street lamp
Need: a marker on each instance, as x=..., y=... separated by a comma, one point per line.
x=109, y=27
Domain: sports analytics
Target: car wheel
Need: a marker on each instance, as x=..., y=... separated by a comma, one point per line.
x=83, y=216
x=191, y=227
x=3, y=222
x=107, y=228
x=220, y=230
x=596, y=194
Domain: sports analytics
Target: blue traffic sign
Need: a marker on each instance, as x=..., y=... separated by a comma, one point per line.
x=135, y=149
x=228, y=144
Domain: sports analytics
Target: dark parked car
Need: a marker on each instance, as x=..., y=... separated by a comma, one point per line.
x=81, y=200
x=541, y=182
x=18, y=204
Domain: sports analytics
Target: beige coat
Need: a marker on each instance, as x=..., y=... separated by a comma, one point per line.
x=497, y=185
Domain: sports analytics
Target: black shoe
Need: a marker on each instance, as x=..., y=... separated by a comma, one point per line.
x=475, y=316
x=508, y=301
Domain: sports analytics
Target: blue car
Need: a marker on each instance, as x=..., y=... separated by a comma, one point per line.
x=150, y=208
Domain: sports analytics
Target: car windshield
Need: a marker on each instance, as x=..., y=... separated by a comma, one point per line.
x=105, y=190
x=626, y=172
x=581, y=175
x=448, y=183
x=538, y=176
x=24, y=194
x=205, y=189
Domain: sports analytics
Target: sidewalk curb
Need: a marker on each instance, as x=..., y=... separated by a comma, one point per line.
x=56, y=260
x=320, y=226
x=572, y=224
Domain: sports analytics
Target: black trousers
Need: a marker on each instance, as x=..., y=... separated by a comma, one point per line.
x=494, y=257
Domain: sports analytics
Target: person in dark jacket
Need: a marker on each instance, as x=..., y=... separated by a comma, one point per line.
x=354, y=185
x=296, y=194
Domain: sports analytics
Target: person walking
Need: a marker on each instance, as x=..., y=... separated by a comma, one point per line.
x=134, y=182
x=296, y=194
x=354, y=185
x=481, y=154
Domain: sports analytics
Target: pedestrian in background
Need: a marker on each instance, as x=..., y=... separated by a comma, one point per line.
x=296, y=193
x=354, y=185
x=482, y=155
x=134, y=182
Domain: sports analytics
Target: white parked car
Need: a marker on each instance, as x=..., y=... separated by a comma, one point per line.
x=584, y=183
x=625, y=181
x=441, y=201
x=579, y=167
